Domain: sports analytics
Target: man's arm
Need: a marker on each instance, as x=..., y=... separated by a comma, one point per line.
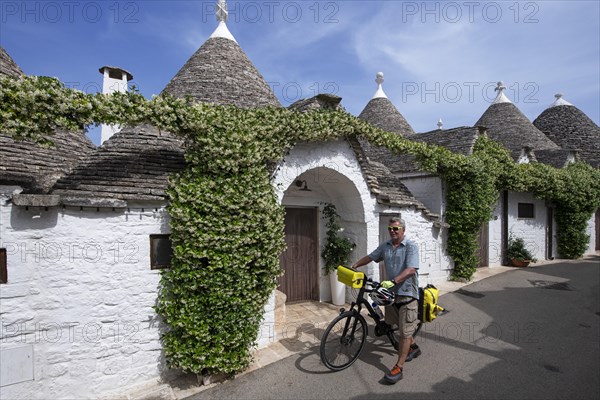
x=404, y=275
x=363, y=261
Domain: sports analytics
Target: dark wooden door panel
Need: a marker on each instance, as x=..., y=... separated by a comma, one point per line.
x=484, y=246
x=300, y=260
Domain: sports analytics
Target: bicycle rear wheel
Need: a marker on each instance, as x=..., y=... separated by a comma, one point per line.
x=343, y=340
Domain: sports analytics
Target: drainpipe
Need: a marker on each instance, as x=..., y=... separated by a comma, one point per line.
x=550, y=235
x=504, y=244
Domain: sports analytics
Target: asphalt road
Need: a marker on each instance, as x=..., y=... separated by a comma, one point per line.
x=531, y=333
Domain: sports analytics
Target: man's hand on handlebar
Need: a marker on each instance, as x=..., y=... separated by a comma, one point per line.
x=387, y=284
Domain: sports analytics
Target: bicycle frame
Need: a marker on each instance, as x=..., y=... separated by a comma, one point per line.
x=381, y=327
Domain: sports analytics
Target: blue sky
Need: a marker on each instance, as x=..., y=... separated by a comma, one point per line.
x=440, y=59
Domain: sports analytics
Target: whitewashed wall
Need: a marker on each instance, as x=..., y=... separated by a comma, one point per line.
x=434, y=264
x=533, y=230
x=591, y=230
x=429, y=191
x=495, y=235
x=79, y=301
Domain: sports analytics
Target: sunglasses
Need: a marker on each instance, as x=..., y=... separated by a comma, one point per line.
x=394, y=228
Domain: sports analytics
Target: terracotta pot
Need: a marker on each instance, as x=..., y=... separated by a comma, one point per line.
x=519, y=263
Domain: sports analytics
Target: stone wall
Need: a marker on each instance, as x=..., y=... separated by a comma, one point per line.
x=495, y=236
x=591, y=230
x=428, y=189
x=532, y=230
x=77, y=311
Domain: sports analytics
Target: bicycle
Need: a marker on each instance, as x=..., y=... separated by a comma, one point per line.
x=345, y=337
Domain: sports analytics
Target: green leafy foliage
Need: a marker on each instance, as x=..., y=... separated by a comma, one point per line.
x=517, y=250
x=337, y=248
x=226, y=223
x=227, y=232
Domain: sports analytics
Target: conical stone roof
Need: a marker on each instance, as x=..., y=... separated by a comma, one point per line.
x=221, y=73
x=569, y=127
x=8, y=66
x=36, y=168
x=133, y=164
x=381, y=113
x=506, y=124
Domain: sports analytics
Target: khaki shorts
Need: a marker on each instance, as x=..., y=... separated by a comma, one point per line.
x=406, y=317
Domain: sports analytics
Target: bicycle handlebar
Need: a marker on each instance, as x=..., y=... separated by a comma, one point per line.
x=369, y=281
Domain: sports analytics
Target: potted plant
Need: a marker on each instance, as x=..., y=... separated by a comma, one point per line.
x=517, y=253
x=335, y=252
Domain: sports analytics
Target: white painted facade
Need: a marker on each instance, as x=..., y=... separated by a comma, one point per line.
x=532, y=230
x=591, y=230
x=77, y=312
x=429, y=190
x=495, y=236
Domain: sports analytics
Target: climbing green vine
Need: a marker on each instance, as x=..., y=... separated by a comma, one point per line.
x=337, y=248
x=226, y=223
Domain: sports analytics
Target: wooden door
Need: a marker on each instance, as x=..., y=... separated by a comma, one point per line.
x=300, y=261
x=484, y=246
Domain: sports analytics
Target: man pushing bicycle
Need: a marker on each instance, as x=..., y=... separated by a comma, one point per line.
x=401, y=258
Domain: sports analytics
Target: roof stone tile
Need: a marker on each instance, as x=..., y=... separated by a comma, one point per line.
x=506, y=124
x=133, y=164
x=570, y=128
x=8, y=66
x=221, y=73
x=381, y=113
x=37, y=168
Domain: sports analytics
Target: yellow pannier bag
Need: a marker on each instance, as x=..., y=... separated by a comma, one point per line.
x=428, y=303
x=350, y=277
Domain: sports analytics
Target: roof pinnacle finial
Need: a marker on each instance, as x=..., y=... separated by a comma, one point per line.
x=379, y=80
x=222, y=13
x=500, y=87
x=501, y=97
x=440, y=124
x=560, y=101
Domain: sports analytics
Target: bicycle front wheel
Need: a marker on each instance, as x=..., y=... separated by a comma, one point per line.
x=343, y=340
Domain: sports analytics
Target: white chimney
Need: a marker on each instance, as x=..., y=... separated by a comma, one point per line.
x=115, y=80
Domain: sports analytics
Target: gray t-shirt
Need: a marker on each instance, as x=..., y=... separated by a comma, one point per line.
x=396, y=260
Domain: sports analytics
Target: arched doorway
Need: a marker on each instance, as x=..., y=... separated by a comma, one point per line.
x=304, y=230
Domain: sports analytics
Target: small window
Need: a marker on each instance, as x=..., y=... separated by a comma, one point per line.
x=160, y=251
x=115, y=74
x=526, y=210
x=3, y=269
